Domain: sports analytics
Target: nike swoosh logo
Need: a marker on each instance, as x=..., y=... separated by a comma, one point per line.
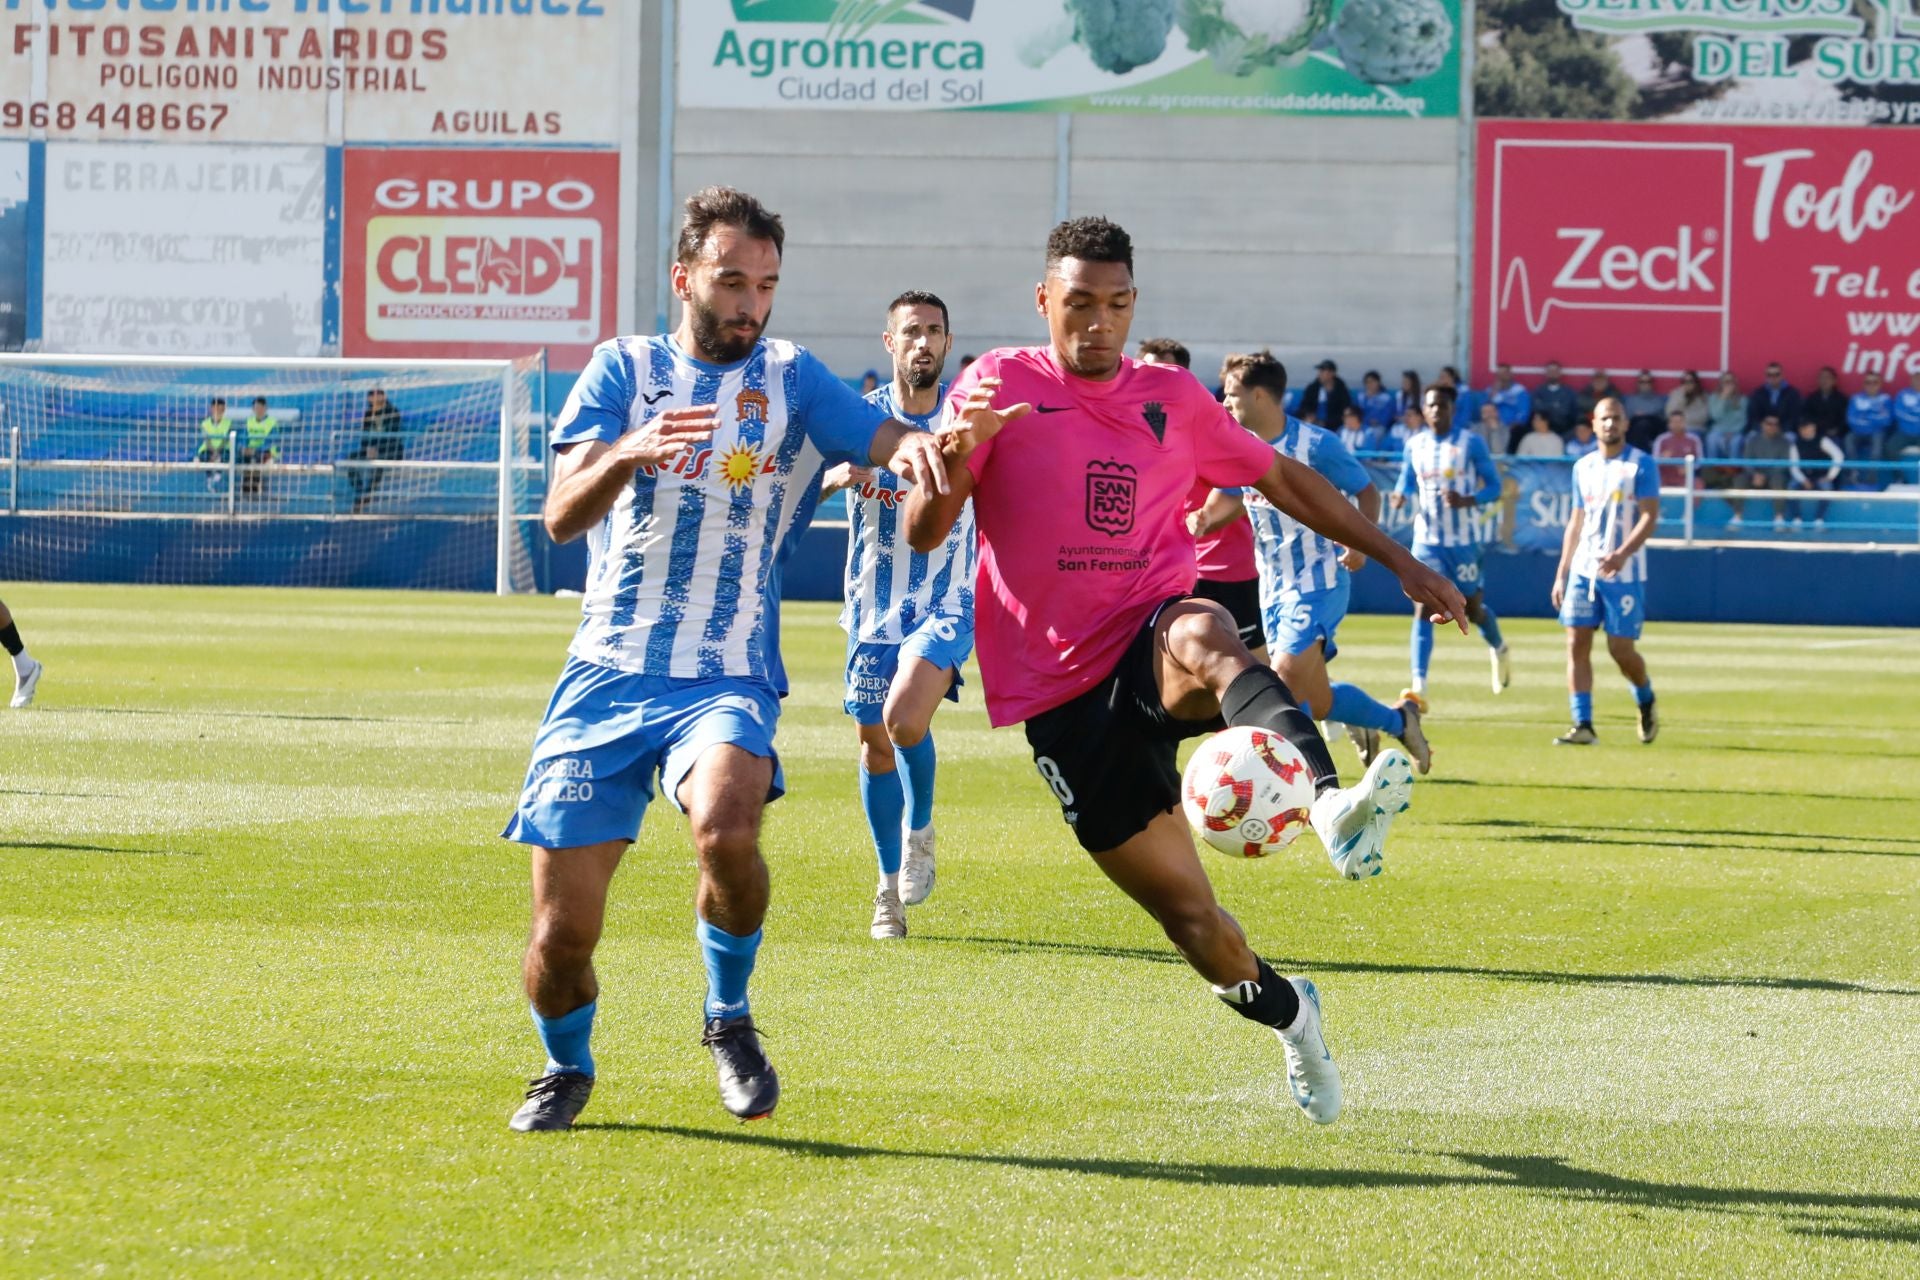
x=1050, y=408
x=657, y=396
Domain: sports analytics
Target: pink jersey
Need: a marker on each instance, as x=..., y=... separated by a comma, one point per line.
x=1081, y=511
x=1226, y=554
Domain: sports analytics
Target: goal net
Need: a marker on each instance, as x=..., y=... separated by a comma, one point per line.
x=427, y=474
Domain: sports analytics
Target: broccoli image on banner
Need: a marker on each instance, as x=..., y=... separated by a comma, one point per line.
x=1120, y=35
x=1392, y=41
x=1241, y=36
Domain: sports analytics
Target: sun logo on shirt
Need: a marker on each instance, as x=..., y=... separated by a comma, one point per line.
x=739, y=465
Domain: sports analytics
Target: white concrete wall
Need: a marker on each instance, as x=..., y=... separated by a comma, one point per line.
x=1315, y=237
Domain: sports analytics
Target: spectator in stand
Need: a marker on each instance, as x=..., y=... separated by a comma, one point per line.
x=869, y=381
x=1582, y=442
x=1677, y=443
x=1413, y=421
x=1817, y=459
x=1646, y=412
x=1541, y=440
x=1906, y=420
x=1770, y=448
x=1726, y=418
x=1375, y=401
x=258, y=447
x=1599, y=387
x=1466, y=401
x=1870, y=426
x=1326, y=398
x=1391, y=438
x=1559, y=401
x=1690, y=398
x=380, y=441
x=1408, y=396
x=1827, y=406
x=214, y=433
x=1490, y=429
x=1776, y=396
x=1515, y=404
x=1353, y=430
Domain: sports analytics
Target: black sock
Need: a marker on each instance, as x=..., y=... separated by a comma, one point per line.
x=1259, y=697
x=10, y=640
x=1269, y=999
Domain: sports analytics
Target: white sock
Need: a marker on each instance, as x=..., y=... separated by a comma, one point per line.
x=21, y=661
x=890, y=881
x=1420, y=684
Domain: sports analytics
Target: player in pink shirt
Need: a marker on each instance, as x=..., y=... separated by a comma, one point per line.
x=1087, y=625
x=1229, y=573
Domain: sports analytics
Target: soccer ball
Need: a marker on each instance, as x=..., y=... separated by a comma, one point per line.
x=1247, y=791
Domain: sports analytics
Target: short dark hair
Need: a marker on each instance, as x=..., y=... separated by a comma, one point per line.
x=919, y=298
x=712, y=207
x=221, y=401
x=1091, y=239
x=1167, y=349
x=1257, y=369
x=259, y=399
x=1440, y=389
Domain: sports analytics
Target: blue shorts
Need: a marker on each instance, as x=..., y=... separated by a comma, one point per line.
x=1299, y=618
x=608, y=732
x=1620, y=607
x=1458, y=565
x=941, y=639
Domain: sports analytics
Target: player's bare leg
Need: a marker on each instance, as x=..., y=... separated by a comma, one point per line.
x=1579, y=688
x=1160, y=870
x=878, y=769
x=1203, y=670
x=917, y=690
x=1626, y=655
x=724, y=795
x=569, y=911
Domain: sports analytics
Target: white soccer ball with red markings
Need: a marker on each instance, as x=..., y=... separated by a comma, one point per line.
x=1247, y=791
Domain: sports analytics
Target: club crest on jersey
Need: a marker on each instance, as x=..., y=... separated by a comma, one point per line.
x=1110, y=493
x=1156, y=415
x=750, y=406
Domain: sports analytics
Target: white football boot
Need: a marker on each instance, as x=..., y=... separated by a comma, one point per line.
x=1312, y=1077
x=889, y=917
x=26, y=680
x=1352, y=822
x=1502, y=669
x=916, y=870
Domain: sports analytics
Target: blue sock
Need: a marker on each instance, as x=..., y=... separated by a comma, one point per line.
x=1354, y=705
x=916, y=774
x=1582, y=707
x=565, y=1038
x=1490, y=628
x=884, y=802
x=729, y=965
x=1643, y=693
x=1422, y=648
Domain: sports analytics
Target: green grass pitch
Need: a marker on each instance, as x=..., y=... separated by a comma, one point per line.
x=1622, y=1011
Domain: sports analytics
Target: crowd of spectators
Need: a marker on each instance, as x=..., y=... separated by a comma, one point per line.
x=253, y=444
x=1797, y=438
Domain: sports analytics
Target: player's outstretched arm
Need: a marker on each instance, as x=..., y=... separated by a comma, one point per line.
x=1368, y=501
x=589, y=477
x=1302, y=493
x=1221, y=509
x=930, y=515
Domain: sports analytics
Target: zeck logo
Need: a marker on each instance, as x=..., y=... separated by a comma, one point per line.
x=1110, y=494
x=1673, y=268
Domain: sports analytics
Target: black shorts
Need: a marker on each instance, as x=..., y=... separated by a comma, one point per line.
x=1242, y=600
x=1110, y=754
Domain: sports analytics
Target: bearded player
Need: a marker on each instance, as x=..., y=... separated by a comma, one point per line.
x=909, y=623
x=1089, y=631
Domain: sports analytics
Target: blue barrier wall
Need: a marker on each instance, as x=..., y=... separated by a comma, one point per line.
x=1704, y=584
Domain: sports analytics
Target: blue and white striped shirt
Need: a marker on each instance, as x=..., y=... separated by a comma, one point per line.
x=1434, y=466
x=683, y=575
x=891, y=587
x=1293, y=558
x=1609, y=491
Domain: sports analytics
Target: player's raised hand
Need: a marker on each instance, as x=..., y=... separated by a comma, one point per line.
x=1438, y=599
x=917, y=459
x=843, y=476
x=977, y=421
x=1352, y=561
x=662, y=437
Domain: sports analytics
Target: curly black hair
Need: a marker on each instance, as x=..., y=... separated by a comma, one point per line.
x=1091, y=239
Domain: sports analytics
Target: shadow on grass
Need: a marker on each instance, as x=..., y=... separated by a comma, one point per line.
x=1552, y=977
x=1646, y=840
x=53, y=846
x=1624, y=788
x=1543, y=1175
x=201, y=713
x=1524, y=824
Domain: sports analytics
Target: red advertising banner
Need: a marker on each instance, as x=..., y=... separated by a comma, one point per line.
x=479, y=254
x=1675, y=247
